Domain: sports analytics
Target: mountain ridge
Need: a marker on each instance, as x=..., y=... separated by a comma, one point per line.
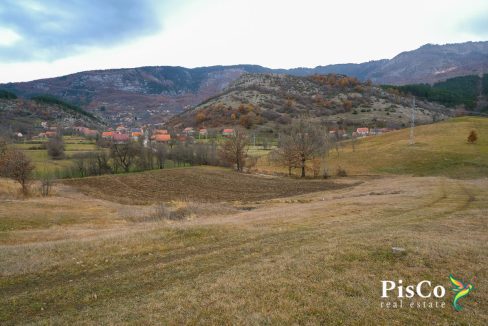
x=155, y=93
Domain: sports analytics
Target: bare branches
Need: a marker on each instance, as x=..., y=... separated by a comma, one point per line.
x=15, y=165
x=234, y=149
x=300, y=143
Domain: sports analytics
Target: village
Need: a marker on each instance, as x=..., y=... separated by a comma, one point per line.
x=157, y=133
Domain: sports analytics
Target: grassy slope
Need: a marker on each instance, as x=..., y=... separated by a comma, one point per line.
x=439, y=149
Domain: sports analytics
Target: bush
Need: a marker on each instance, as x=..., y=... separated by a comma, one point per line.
x=47, y=182
x=161, y=212
x=341, y=172
x=55, y=148
x=473, y=137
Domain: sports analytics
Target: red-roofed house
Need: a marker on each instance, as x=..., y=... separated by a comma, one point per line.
x=362, y=131
x=136, y=134
x=160, y=132
x=227, y=132
x=188, y=131
x=162, y=138
x=90, y=132
x=107, y=134
x=51, y=134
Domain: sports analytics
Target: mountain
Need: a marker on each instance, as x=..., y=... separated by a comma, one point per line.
x=147, y=93
x=267, y=100
x=153, y=94
x=26, y=116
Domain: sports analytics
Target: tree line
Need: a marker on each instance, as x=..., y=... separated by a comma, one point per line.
x=301, y=145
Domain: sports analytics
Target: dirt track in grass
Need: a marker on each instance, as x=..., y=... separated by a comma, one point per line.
x=205, y=184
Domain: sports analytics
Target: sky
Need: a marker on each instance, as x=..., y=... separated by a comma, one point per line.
x=48, y=38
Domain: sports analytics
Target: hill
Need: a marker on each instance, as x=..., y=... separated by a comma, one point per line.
x=269, y=99
x=25, y=116
x=156, y=93
x=440, y=149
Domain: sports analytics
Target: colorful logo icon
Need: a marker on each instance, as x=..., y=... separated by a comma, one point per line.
x=461, y=291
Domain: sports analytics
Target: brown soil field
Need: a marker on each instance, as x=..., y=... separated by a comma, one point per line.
x=203, y=184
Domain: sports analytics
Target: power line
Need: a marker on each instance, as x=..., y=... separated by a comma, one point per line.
x=412, y=124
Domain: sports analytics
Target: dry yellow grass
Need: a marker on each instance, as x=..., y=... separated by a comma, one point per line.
x=311, y=259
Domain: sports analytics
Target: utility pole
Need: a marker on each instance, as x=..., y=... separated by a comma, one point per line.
x=412, y=123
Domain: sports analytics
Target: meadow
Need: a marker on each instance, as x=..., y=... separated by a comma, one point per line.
x=439, y=149
x=255, y=249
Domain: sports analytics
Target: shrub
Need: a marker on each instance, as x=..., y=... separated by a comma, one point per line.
x=161, y=212
x=55, y=148
x=473, y=137
x=341, y=172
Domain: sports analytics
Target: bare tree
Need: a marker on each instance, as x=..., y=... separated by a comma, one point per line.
x=304, y=141
x=285, y=154
x=15, y=165
x=47, y=182
x=161, y=154
x=3, y=146
x=234, y=149
x=354, y=137
x=124, y=154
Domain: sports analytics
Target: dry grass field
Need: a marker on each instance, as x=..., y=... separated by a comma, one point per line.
x=251, y=249
x=440, y=149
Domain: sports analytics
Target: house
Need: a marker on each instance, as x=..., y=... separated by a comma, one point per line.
x=79, y=129
x=51, y=134
x=107, y=134
x=362, y=131
x=136, y=134
x=188, y=131
x=89, y=132
x=203, y=132
x=227, y=132
x=120, y=138
x=160, y=132
x=161, y=138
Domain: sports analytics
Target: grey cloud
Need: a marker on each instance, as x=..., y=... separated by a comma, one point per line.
x=52, y=29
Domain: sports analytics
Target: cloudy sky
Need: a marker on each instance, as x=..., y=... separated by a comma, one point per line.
x=47, y=38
